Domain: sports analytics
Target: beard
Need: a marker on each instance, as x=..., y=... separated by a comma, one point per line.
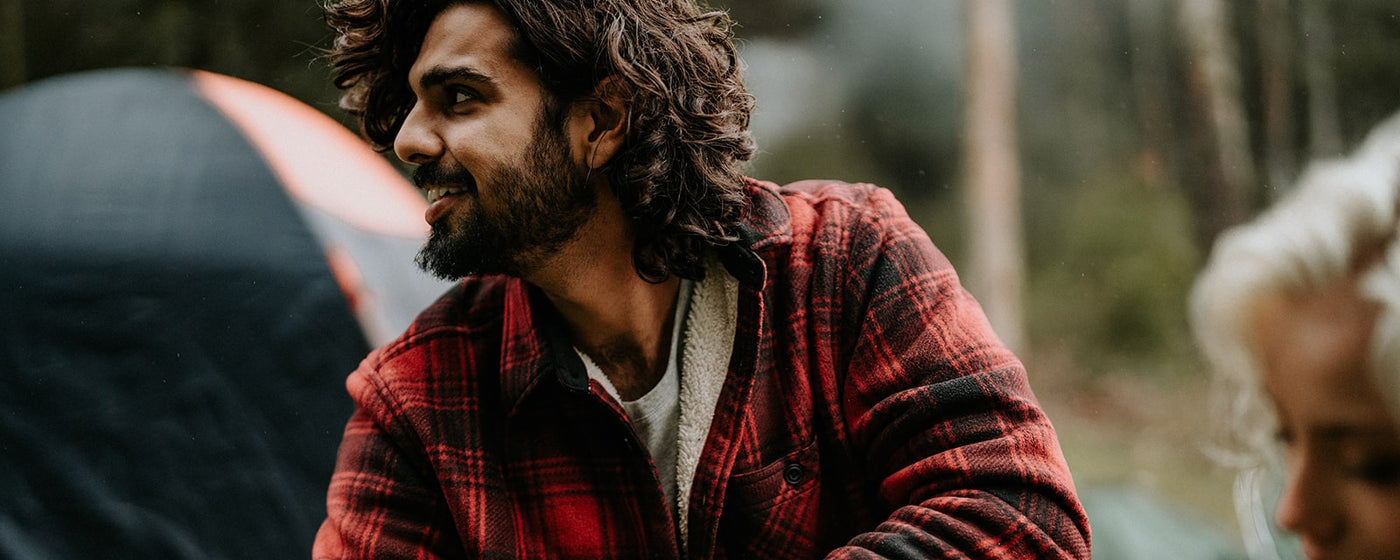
x=539, y=205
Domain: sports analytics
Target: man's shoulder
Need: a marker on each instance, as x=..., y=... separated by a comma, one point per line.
x=472, y=310
x=809, y=205
x=818, y=191
x=437, y=369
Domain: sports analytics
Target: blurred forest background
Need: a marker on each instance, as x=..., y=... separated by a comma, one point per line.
x=1073, y=158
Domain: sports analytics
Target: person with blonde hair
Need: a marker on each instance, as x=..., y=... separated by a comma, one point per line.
x=1298, y=313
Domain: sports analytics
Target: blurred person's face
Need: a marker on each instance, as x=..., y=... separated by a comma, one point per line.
x=1342, y=495
x=504, y=191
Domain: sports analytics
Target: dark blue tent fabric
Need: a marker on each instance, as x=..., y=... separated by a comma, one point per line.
x=173, y=344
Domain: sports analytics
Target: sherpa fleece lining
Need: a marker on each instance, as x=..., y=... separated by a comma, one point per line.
x=707, y=342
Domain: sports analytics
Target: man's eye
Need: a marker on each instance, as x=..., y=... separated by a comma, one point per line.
x=461, y=96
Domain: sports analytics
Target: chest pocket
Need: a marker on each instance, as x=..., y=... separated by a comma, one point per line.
x=773, y=511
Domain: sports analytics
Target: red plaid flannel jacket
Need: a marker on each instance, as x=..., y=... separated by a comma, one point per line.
x=869, y=412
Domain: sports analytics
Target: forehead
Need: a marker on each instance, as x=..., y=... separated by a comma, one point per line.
x=1313, y=348
x=473, y=36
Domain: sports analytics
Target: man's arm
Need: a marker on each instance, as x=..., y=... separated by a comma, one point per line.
x=382, y=502
x=945, y=414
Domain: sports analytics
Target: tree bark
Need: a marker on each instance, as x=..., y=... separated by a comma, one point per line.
x=1324, y=126
x=1276, y=88
x=1146, y=19
x=1220, y=193
x=997, y=274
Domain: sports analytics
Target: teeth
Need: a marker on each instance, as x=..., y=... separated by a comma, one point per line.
x=436, y=193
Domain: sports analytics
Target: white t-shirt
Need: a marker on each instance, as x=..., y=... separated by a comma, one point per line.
x=656, y=415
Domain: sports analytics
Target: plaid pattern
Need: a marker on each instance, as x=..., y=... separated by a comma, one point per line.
x=870, y=412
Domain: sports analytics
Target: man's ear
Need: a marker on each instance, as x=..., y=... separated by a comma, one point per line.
x=601, y=122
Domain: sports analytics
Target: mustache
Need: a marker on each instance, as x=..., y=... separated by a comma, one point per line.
x=435, y=174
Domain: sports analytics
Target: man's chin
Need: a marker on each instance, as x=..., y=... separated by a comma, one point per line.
x=454, y=261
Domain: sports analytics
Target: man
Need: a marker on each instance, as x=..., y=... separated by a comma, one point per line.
x=650, y=355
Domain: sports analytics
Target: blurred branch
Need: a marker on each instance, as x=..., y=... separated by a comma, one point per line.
x=993, y=168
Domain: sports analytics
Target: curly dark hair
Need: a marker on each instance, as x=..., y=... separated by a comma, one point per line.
x=679, y=174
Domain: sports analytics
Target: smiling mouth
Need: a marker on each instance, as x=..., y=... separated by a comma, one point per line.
x=437, y=193
x=438, y=180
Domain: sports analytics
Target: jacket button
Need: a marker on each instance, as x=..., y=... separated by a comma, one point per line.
x=793, y=474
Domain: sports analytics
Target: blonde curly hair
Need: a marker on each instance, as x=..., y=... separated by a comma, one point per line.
x=1339, y=222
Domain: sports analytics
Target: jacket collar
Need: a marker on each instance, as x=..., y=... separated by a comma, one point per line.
x=763, y=225
x=534, y=345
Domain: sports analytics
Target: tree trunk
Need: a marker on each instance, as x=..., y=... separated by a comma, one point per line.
x=1324, y=126
x=1276, y=87
x=1149, y=69
x=1220, y=193
x=993, y=167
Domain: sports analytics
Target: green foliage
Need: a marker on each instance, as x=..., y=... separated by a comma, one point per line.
x=1109, y=278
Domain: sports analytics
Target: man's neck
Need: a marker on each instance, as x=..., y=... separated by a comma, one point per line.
x=622, y=322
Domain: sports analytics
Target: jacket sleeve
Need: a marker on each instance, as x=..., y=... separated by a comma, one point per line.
x=968, y=463
x=382, y=502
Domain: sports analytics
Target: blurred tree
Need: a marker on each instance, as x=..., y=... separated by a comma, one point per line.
x=1150, y=69
x=1324, y=125
x=1220, y=135
x=1275, y=40
x=997, y=275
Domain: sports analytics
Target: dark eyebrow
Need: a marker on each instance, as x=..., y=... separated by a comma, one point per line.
x=1346, y=431
x=440, y=75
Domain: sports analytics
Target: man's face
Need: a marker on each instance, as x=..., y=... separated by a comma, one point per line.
x=504, y=190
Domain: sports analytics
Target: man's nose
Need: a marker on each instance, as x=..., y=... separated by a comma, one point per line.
x=417, y=141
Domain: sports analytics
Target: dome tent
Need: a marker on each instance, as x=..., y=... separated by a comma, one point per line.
x=190, y=264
